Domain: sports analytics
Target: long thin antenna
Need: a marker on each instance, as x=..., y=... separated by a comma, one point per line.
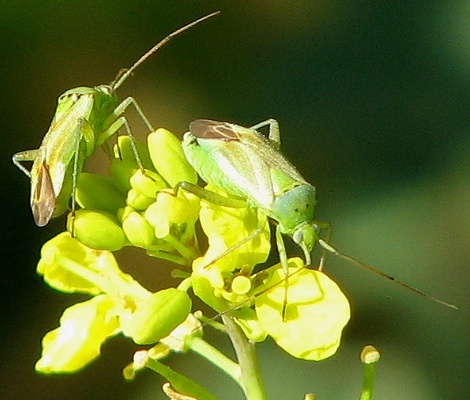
x=332, y=250
x=159, y=45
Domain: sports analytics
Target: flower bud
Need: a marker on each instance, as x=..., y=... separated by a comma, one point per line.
x=123, y=151
x=121, y=172
x=168, y=157
x=148, y=183
x=156, y=316
x=170, y=210
x=97, y=230
x=122, y=213
x=95, y=192
x=137, y=200
x=138, y=230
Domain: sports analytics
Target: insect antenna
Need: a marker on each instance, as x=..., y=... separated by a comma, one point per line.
x=124, y=75
x=376, y=271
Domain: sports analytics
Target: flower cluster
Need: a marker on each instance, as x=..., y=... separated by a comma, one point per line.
x=142, y=205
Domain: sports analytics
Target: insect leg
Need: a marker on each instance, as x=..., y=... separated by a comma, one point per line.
x=328, y=227
x=251, y=236
x=116, y=121
x=274, y=131
x=83, y=131
x=117, y=124
x=211, y=197
x=22, y=156
x=131, y=101
x=281, y=248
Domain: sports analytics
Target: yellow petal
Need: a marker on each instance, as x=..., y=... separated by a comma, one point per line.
x=83, y=329
x=316, y=312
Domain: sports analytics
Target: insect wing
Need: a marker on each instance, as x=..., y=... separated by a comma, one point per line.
x=57, y=149
x=42, y=197
x=247, y=158
x=244, y=172
x=276, y=161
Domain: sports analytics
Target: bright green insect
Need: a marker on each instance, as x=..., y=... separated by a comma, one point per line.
x=246, y=164
x=85, y=118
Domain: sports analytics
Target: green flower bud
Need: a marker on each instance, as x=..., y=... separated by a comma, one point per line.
x=138, y=230
x=95, y=192
x=123, y=150
x=148, y=183
x=156, y=316
x=121, y=171
x=122, y=213
x=137, y=200
x=97, y=230
x=168, y=157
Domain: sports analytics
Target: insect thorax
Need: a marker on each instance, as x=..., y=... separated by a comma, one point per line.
x=294, y=208
x=103, y=99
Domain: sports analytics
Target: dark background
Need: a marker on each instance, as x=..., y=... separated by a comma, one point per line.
x=373, y=103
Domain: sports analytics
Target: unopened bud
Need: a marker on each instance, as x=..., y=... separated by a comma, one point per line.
x=138, y=230
x=168, y=157
x=97, y=230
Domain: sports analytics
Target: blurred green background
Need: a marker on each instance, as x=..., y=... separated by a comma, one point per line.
x=373, y=102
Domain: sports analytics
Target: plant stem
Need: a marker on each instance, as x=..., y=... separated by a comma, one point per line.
x=245, y=350
x=369, y=358
x=217, y=358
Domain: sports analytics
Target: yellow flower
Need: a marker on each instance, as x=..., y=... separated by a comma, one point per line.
x=316, y=312
x=226, y=228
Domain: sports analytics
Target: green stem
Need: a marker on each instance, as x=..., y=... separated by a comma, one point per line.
x=209, y=352
x=369, y=358
x=245, y=350
x=179, y=382
x=185, y=251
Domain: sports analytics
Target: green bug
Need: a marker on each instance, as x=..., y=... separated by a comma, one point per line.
x=85, y=118
x=246, y=164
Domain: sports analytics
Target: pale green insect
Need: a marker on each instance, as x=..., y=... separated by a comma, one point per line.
x=246, y=164
x=85, y=118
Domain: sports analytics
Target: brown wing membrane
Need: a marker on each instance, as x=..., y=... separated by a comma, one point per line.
x=43, y=199
x=208, y=129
